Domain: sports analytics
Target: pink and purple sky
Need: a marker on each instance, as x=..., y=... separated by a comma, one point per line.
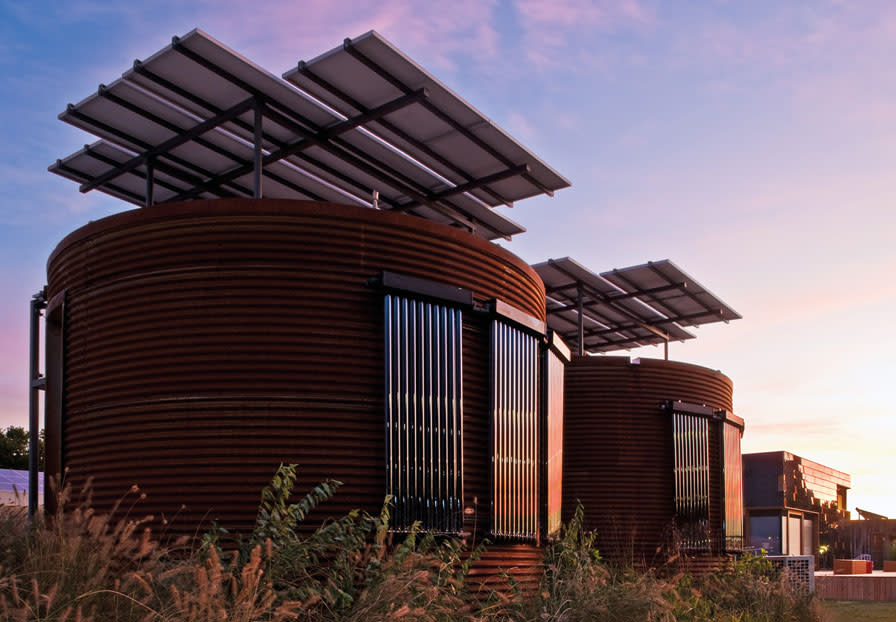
x=751, y=143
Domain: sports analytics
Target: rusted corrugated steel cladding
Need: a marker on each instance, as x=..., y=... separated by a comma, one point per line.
x=618, y=449
x=209, y=341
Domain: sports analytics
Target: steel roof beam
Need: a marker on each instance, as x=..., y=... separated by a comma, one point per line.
x=474, y=184
x=165, y=147
x=180, y=173
x=608, y=326
x=593, y=315
x=370, y=64
x=132, y=196
x=387, y=175
x=107, y=160
x=689, y=294
x=140, y=69
x=296, y=123
x=103, y=91
x=630, y=342
x=653, y=302
x=609, y=302
x=321, y=138
x=247, y=127
x=418, y=144
x=302, y=127
x=407, y=185
x=572, y=306
x=678, y=319
x=599, y=332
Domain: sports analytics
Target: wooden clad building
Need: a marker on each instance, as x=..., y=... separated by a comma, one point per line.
x=792, y=504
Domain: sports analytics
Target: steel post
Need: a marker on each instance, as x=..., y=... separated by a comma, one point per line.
x=150, y=181
x=581, y=313
x=257, y=162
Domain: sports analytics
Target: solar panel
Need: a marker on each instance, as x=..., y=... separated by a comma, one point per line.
x=197, y=120
x=668, y=289
x=12, y=479
x=627, y=308
x=443, y=131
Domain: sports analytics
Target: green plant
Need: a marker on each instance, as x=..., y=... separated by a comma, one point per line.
x=277, y=518
x=350, y=569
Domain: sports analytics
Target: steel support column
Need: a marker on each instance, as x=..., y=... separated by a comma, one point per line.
x=257, y=162
x=580, y=303
x=150, y=181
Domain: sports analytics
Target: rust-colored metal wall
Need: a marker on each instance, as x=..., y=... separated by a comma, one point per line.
x=618, y=458
x=207, y=342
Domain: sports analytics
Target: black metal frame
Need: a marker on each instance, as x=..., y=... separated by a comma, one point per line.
x=580, y=305
x=659, y=305
x=380, y=71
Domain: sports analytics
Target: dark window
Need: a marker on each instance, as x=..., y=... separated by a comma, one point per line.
x=765, y=533
x=423, y=348
x=514, y=432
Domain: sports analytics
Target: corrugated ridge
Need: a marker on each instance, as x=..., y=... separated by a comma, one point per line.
x=523, y=562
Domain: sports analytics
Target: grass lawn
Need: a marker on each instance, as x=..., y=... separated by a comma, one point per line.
x=858, y=611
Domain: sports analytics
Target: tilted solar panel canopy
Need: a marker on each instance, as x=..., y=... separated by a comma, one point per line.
x=361, y=124
x=628, y=307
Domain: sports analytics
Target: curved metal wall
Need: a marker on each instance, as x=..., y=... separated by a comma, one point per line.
x=206, y=342
x=618, y=459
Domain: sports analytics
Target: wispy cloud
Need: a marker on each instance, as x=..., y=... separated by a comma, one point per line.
x=581, y=13
x=560, y=33
x=285, y=32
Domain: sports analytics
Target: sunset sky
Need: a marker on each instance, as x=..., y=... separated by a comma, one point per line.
x=751, y=143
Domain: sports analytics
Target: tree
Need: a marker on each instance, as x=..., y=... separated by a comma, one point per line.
x=14, y=449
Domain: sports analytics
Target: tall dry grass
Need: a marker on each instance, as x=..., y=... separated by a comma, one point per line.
x=77, y=566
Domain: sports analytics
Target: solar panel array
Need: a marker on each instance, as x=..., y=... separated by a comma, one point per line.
x=629, y=307
x=197, y=120
x=11, y=479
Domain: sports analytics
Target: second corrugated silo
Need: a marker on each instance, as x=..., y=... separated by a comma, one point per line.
x=645, y=455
